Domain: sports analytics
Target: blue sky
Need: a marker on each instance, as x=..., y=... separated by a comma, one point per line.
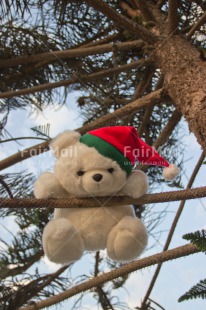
x=177, y=276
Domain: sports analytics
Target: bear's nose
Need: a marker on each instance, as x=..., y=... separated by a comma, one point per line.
x=97, y=177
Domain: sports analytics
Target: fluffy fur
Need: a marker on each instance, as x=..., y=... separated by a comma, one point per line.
x=72, y=231
x=170, y=173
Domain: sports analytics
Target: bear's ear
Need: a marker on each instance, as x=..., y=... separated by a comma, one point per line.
x=63, y=140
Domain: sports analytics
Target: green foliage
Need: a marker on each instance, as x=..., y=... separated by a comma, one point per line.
x=24, y=248
x=42, y=130
x=16, y=185
x=197, y=291
x=198, y=238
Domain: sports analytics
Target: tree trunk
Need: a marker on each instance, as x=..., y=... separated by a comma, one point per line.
x=185, y=73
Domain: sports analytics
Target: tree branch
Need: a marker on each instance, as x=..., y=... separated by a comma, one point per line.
x=181, y=251
x=144, y=83
x=146, y=119
x=134, y=106
x=130, y=11
x=172, y=229
x=6, y=272
x=24, y=293
x=123, y=21
x=106, y=40
x=50, y=278
x=201, y=3
x=164, y=135
x=76, y=79
x=6, y=187
x=173, y=17
x=148, y=111
x=22, y=138
x=197, y=25
x=54, y=56
x=194, y=193
x=168, y=129
x=160, y=3
x=144, y=8
x=100, y=36
x=103, y=298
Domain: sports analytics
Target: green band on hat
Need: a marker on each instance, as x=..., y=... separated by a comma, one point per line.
x=107, y=150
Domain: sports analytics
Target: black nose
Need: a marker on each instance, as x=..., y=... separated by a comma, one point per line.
x=97, y=177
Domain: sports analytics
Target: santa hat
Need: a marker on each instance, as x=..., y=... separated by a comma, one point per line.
x=122, y=144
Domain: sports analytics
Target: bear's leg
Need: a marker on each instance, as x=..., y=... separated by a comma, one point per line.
x=62, y=242
x=127, y=239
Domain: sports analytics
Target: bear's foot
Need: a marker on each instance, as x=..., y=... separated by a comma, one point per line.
x=62, y=242
x=127, y=239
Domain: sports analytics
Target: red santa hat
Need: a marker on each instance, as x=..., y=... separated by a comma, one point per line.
x=122, y=144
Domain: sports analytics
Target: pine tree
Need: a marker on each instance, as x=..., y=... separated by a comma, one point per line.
x=139, y=63
x=199, y=290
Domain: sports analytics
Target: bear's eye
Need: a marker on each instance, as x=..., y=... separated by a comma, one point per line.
x=111, y=170
x=80, y=173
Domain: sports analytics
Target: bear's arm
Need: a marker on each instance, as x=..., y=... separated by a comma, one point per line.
x=47, y=186
x=136, y=185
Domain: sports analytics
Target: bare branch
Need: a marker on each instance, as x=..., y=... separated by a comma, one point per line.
x=96, y=38
x=54, y=56
x=168, y=129
x=22, y=138
x=103, y=298
x=156, y=303
x=26, y=153
x=108, y=39
x=201, y=3
x=146, y=119
x=160, y=3
x=172, y=229
x=144, y=83
x=96, y=266
x=128, y=9
x=75, y=79
x=197, y=25
x=152, y=98
x=194, y=193
x=181, y=251
x=123, y=21
x=149, y=110
x=144, y=8
x=173, y=17
x=164, y=135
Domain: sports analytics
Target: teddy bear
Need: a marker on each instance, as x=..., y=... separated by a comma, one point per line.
x=96, y=164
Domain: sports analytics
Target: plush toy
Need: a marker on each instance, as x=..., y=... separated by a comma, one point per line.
x=99, y=163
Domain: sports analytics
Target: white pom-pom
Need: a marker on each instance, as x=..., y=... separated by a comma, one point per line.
x=170, y=173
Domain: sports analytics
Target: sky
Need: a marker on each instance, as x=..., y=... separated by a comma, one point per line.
x=177, y=276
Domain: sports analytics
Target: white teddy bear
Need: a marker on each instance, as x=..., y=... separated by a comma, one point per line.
x=96, y=164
